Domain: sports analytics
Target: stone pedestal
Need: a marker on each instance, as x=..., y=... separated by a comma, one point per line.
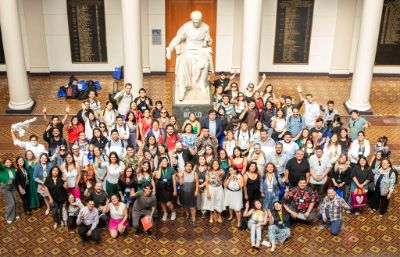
x=195, y=102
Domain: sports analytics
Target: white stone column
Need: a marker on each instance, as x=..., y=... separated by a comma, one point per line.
x=365, y=59
x=133, y=71
x=251, y=39
x=342, y=46
x=20, y=99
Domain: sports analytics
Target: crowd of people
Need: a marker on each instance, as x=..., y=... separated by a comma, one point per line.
x=254, y=158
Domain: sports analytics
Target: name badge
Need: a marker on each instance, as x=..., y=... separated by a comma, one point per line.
x=165, y=180
x=280, y=222
x=301, y=200
x=201, y=180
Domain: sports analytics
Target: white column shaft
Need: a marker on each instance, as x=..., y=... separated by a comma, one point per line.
x=366, y=52
x=251, y=39
x=20, y=98
x=133, y=71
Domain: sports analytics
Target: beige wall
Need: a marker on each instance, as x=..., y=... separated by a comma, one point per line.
x=47, y=47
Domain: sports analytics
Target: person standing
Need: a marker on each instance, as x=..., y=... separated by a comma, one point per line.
x=331, y=210
x=88, y=219
x=166, y=188
x=357, y=124
x=22, y=181
x=30, y=162
x=319, y=168
x=189, y=189
x=214, y=201
x=8, y=188
x=385, y=180
x=233, y=193
x=296, y=168
x=56, y=189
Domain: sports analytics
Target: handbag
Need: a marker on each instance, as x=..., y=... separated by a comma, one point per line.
x=146, y=222
x=358, y=198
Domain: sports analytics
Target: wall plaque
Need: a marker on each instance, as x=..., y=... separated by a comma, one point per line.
x=2, y=57
x=388, y=49
x=156, y=36
x=293, y=31
x=87, y=31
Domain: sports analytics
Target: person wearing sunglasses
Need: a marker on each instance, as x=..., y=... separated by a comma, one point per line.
x=320, y=166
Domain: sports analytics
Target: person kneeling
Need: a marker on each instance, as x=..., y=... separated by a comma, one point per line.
x=301, y=201
x=145, y=205
x=118, y=216
x=88, y=219
x=331, y=210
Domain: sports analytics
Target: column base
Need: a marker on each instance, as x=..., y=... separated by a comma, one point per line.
x=21, y=111
x=362, y=112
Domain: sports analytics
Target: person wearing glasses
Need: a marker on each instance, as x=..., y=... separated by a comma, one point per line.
x=320, y=166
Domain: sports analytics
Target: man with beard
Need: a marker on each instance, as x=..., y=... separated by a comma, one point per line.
x=170, y=138
x=204, y=140
x=54, y=140
x=180, y=156
x=319, y=133
x=289, y=105
x=87, y=220
x=279, y=159
x=296, y=168
x=100, y=199
x=301, y=200
x=145, y=205
x=267, y=144
x=295, y=123
x=289, y=146
x=259, y=157
x=331, y=210
x=31, y=145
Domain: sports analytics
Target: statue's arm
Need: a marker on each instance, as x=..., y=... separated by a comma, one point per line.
x=180, y=36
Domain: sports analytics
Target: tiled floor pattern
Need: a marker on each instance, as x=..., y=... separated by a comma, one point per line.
x=364, y=235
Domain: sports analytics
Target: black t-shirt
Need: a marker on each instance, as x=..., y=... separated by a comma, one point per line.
x=322, y=133
x=224, y=83
x=297, y=170
x=99, y=199
x=56, y=190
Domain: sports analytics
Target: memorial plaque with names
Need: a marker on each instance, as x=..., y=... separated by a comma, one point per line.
x=2, y=57
x=87, y=31
x=293, y=31
x=388, y=49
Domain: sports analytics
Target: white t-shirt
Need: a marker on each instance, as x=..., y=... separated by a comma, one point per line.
x=311, y=113
x=319, y=169
x=37, y=150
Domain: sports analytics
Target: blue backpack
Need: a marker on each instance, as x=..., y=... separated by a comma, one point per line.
x=118, y=72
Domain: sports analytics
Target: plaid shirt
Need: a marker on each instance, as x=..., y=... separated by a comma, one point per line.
x=334, y=207
x=301, y=200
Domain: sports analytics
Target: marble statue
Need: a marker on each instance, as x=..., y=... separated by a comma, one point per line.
x=192, y=44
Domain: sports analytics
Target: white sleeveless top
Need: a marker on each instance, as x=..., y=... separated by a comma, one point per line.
x=117, y=214
x=71, y=176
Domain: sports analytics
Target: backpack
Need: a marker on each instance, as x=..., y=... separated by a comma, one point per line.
x=396, y=174
x=72, y=91
x=248, y=132
x=290, y=118
x=115, y=126
x=82, y=95
x=118, y=73
x=122, y=144
x=82, y=85
x=62, y=92
x=165, y=137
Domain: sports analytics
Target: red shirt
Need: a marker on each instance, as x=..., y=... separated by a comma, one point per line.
x=170, y=141
x=73, y=132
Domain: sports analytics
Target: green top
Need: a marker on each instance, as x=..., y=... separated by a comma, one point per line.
x=4, y=176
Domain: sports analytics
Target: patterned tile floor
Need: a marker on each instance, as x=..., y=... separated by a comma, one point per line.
x=364, y=235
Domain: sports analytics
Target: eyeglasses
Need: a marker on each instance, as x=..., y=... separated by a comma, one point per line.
x=62, y=150
x=319, y=163
x=163, y=112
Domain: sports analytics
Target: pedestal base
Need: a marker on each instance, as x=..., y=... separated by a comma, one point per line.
x=195, y=101
x=23, y=111
x=366, y=112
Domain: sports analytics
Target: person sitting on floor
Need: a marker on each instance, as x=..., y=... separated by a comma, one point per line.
x=301, y=201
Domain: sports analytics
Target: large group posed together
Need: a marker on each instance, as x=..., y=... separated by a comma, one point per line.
x=257, y=159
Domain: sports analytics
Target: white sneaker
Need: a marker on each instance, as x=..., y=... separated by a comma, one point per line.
x=173, y=215
x=164, y=217
x=266, y=243
x=9, y=221
x=357, y=213
x=348, y=211
x=16, y=217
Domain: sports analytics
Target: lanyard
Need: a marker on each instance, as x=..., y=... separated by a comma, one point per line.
x=280, y=216
x=163, y=173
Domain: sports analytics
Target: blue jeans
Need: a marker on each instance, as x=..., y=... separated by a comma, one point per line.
x=335, y=225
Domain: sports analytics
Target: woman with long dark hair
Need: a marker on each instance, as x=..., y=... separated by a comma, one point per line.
x=8, y=189
x=114, y=169
x=166, y=188
x=55, y=187
x=72, y=173
x=361, y=175
x=22, y=180
x=133, y=133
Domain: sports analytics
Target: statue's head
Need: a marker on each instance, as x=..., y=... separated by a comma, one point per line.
x=196, y=18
